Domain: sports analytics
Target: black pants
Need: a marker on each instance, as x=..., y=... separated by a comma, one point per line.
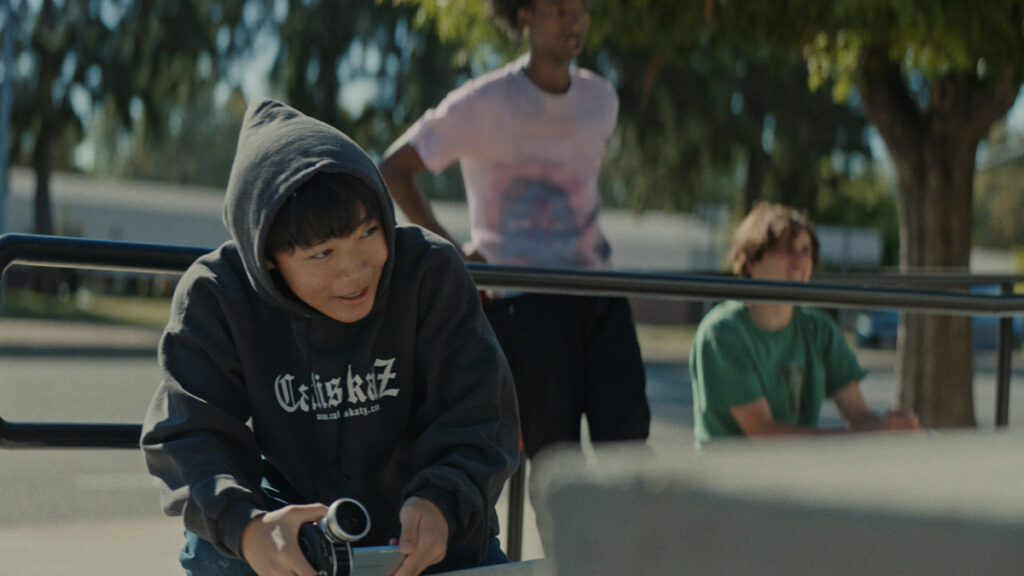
x=570, y=356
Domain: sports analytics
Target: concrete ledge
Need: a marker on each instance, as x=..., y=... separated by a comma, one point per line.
x=538, y=567
x=882, y=504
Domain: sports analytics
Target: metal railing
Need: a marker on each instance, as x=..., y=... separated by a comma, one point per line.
x=853, y=291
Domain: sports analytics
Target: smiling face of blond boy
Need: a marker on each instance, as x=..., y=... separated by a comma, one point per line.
x=786, y=261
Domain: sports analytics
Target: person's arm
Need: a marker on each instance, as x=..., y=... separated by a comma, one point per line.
x=852, y=406
x=399, y=168
x=860, y=418
x=194, y=436
x=755, y=419
x=464, y=441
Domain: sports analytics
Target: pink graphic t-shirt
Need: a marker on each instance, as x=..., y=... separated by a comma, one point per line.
x=530, y=161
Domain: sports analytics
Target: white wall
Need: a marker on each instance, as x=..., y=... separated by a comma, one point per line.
x=139, y=211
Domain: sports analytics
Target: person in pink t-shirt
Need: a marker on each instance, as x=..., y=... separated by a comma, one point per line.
x=530, y=139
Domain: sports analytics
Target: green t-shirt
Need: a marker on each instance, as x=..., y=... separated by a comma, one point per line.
x=735, y=362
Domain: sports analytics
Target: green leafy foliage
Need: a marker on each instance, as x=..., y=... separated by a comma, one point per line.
x=366, y=67
x=134, y=61
x=466, y=23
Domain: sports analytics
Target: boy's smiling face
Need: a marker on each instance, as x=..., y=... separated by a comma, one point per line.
x=337, y=277
x=791, y=262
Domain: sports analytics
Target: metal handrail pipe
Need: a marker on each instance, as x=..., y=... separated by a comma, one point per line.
x=38, y=250
x=933, y=279
x=63, y=252
x=928, y=278
x=703, y=287
x=37, y=435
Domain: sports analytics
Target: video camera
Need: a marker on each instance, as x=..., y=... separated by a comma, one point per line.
x=327, y=543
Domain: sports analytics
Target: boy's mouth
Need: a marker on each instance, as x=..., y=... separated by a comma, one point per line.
x=355, y=295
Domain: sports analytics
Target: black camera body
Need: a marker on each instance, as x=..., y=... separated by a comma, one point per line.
x=327, y=543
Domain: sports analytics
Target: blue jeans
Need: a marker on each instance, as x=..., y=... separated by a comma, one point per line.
x=199, y=558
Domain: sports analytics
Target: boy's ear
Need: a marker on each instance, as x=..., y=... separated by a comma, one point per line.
x=270, y=264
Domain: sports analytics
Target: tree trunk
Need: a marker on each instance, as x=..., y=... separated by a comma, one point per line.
x=43, y=280
x=43, y=166
x=47, y=40
x=933, y=151
x=935, y=362
x=756, y=159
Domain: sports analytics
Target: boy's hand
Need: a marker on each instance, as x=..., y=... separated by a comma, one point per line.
x=270, y=542
x=424, y=538
x=901, y=419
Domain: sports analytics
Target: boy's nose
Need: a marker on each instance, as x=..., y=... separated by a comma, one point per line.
x=349, y=266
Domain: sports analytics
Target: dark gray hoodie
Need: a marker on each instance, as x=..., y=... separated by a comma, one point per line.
x=415, y=399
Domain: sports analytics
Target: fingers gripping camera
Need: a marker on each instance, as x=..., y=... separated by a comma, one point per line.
x=327, y=544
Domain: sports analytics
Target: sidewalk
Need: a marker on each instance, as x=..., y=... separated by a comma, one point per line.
x=20, y=336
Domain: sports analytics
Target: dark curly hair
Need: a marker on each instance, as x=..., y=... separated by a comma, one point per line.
x=506, y=13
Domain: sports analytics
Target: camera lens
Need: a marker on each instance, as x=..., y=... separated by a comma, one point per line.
x=346, y=521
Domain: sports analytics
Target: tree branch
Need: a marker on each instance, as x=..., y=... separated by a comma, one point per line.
x=887, y=101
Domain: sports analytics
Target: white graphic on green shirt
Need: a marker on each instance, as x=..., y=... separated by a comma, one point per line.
x=792, y=376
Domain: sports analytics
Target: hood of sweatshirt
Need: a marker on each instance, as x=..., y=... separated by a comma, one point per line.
x=279, y=148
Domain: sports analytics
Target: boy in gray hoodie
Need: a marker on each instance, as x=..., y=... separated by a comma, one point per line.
x=324, y=352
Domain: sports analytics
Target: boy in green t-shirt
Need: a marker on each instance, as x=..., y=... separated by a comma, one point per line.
x=764, y=369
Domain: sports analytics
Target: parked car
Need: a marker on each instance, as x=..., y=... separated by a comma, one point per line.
x=877, y=328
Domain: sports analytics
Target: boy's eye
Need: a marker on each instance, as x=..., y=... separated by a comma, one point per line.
x=320, y=254
x=370, y=230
